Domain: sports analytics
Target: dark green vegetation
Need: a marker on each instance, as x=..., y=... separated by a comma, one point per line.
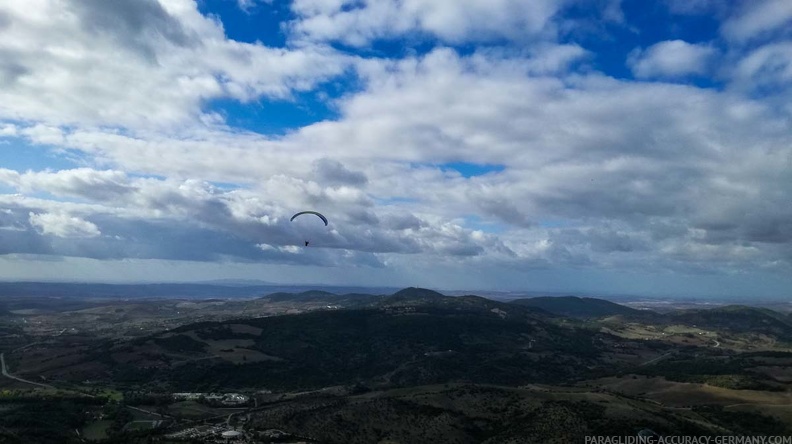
x=48, y=418
x=732, y=371
x=346, y=300
x=474, y=414
x=576, y=307
x=428, y=345
x=412, y=367
x=739, y=318
x=411, y=338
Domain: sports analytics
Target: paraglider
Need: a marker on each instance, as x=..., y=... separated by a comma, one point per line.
x=320, y=215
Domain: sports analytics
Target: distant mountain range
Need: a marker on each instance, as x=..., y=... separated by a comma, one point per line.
x=218, y=289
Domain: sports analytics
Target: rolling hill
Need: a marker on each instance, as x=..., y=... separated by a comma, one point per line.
x=413, y=337
x=578, y=307
x=738, y=318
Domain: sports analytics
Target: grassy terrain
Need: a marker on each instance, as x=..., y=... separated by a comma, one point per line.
x=96, y=430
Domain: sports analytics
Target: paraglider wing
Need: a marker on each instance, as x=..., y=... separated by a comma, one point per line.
x=324, y=219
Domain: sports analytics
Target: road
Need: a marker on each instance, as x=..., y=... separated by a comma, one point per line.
x=652, y=361
x=7, y=375
x=149, y=412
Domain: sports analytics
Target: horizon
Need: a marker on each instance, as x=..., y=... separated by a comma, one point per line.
x=619, y=147
x=498, y=295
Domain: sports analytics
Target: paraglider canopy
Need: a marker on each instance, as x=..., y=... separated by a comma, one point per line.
x=324, y=219
x=315, y=213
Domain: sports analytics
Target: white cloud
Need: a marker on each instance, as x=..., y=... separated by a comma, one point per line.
x=359, y=23
x=768, y=67
x=590, y=171
x=694, y=7
x=231, y=222
x=758, y=18
x=248, y=5
x=583, y=149
x=138, y=64
x=81, y=182
x=63, y=225
x=672, y=58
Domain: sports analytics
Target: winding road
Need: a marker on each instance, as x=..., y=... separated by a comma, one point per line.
x=7, y=375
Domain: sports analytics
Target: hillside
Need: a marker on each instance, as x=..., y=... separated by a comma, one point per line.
x=398, y=346
x=444, y=339
x=413, y=295
x=467, y=413
x=413, y=366
x=345, y=300
x=578, y=307
x=738, y=318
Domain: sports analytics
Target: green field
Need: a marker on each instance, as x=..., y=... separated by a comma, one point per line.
x=97, y=430
x=133, y=426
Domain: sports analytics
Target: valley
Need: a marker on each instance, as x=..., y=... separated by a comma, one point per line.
x=411, y=366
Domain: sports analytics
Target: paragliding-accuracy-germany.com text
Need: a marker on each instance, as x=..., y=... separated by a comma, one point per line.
x=680, y=439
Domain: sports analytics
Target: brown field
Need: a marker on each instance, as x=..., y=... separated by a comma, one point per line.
x=683, y=394
x=779, y=373
x=40, y=360
x=232, y=350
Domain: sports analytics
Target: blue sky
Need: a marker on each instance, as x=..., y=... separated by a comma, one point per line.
x=560, y=145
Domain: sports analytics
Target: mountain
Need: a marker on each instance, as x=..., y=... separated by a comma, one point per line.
x=399, y=346
x=224, y=289
x=435, y=339
x=422, y=297
x=578, y=307
x=413, y=295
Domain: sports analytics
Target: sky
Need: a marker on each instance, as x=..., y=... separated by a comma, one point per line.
x=597, y=146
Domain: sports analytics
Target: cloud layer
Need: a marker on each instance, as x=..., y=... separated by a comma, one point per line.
x=492, y=137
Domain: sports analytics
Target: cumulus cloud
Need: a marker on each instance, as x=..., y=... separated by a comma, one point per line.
x=598, y=172
x=63, y=225
x=155, y=218
x=334, y=173
x=757, y=19
x=81, y=182
x=766, y=68
x=582, y=150
x=90, y=62
x=672, y=58
x=359, y=23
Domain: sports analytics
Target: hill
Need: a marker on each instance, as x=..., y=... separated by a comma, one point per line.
x=468, y=413
x=578, y=307
x=738, y=319
x=344, y=300
x=434, y=339
x=399, y=346
x=414, y=366
x=413, y=295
